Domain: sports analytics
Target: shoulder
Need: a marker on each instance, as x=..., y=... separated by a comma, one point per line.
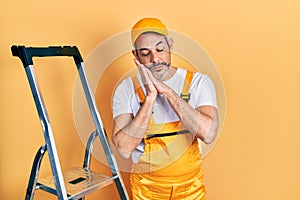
x=197, y=76
x=201, y=78
x=181, y=71
x=125, y=86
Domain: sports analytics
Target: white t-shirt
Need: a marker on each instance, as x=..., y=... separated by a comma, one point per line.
x=202, y=92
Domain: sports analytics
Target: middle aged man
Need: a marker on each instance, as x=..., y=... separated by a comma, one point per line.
x=159, y=116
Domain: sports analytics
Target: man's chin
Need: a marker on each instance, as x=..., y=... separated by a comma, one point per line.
x=160, y=74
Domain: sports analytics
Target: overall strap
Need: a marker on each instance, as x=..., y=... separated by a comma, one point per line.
x=138, y=89
x=185, y=94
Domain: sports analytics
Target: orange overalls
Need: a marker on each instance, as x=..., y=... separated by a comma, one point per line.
x=170, y=167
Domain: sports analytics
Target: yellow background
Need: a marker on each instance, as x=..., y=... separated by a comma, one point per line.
x=255, y=45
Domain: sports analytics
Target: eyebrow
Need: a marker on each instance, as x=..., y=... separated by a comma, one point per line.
x=159, y=43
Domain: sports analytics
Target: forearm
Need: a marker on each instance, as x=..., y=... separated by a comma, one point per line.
x=129, y=133
x=203, y=122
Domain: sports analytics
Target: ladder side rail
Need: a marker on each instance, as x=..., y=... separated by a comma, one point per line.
x=101, y=132
x=88, y=151
x=32, y=184
x=95, y=115
x=48, y=133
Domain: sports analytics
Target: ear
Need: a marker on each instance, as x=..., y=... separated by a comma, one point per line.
x=135, y=53
x=170, y=42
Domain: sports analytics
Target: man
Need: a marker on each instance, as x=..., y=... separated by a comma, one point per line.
x=159, y=115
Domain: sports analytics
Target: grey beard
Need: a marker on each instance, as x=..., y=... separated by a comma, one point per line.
x=162, y=75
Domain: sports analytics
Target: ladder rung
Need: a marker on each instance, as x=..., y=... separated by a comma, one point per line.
x=78, y=181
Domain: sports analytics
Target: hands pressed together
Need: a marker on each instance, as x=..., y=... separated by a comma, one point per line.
x=152, y=85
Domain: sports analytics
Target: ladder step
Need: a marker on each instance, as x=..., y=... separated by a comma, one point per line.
x=79, y=182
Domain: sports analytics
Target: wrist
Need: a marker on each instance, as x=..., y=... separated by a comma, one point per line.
x=150, y=99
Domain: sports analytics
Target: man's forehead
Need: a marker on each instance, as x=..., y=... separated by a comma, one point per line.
x=150, y=40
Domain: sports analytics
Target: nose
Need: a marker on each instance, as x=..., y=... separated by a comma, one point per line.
x=155, y=57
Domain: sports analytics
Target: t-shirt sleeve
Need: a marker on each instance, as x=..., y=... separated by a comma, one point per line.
x=205, y=91
x=121, y=99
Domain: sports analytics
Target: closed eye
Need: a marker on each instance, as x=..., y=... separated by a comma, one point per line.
x=145, y=52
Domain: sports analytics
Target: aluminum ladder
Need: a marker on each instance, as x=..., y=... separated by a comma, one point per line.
x=77, y=182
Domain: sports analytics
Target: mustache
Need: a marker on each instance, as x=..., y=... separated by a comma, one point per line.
x=158, y=64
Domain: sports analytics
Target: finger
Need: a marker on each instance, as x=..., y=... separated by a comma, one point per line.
x=137, y=62
x=140, y=67
x=143, y=73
